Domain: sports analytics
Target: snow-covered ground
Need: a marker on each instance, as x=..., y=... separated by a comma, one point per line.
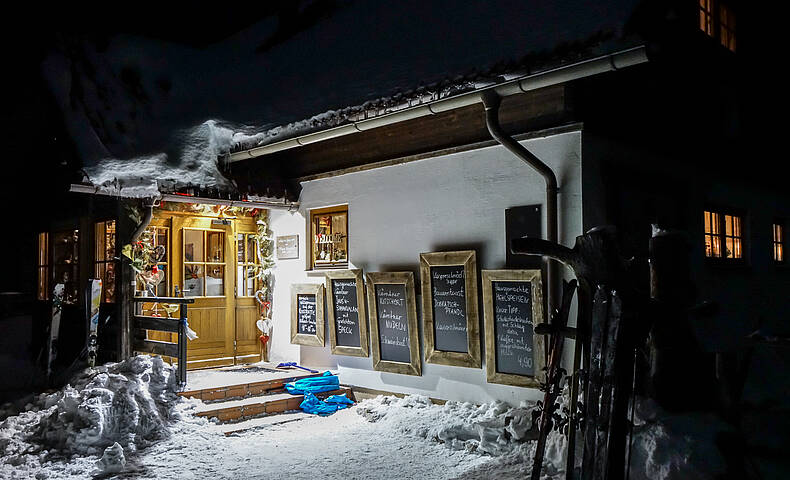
x=124, y=420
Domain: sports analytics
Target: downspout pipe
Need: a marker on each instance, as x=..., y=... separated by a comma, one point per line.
x=491, y=102
x=147, y=216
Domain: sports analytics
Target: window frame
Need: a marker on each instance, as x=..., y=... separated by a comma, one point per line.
x=717, y=20
x=245, y=264
x=73, y=296
x=43, y=270
x=722, y=235
x=311, y=266
x=97, y=262
x=781, y=242
x=204, y=263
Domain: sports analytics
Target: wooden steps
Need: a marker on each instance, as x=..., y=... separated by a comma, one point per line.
x=236, y=415
x=238, y=407
x=267, y=421
x=243, y=390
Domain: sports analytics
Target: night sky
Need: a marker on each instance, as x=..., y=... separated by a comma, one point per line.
x=83, y=85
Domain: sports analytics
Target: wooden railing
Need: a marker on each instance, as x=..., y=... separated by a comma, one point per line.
x=140, y=343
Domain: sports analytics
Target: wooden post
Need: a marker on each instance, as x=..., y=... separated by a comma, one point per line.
x=182, y=345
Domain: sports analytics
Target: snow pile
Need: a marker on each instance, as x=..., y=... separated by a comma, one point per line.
x=113, y=459
x=494, y=429
x=123, y=406
x=146, y=176
x=675, y=446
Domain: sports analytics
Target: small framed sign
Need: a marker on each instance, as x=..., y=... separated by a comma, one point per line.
x=348, y=321
x=513, y=303
x=449, y=308
x=287, y=247
x=393, y=322
x=307, y=314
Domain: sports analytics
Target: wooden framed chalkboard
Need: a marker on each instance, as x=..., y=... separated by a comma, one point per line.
x=307, y=314
x=393, y=322
x=348, y=320
x=449, y=308
x=513, y=304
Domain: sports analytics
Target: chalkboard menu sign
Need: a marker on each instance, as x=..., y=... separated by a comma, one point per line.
x=393, y=322
x=449, y=308
x=348, y=333
x=513, y=306
x=307, y=314
x=513, y=327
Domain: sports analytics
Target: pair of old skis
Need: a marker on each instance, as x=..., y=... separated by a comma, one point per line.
x=94, y=296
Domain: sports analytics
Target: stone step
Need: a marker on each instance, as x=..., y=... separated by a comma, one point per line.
x=261, y=422
x=252, y=407
x=242, y=390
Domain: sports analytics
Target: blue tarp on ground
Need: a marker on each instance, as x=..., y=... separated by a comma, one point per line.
x=325, y=383
x=333, y=403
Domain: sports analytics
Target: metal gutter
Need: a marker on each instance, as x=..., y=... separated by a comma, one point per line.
x=594, y=66
x=491, y=103
x=169, y=197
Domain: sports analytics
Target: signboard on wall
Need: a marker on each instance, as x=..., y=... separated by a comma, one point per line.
x=307, y=314
x=449, y=308
x=287, y=247
x=348, y=321
x=393, y=322
x=513, y=303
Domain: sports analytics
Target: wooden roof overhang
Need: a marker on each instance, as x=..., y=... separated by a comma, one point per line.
x=458, y=129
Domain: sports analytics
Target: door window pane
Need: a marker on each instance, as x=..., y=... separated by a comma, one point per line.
x=240, y=248
x=215, y=280
x=193, y=280
x=193, y=246
x=250, y=285
x=216, y=247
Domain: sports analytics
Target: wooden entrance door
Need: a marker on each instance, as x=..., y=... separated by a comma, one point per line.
x=248, y=347
x=214, y=263
x=204, y=249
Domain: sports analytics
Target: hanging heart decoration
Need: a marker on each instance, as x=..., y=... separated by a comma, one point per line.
x=260, y=297
x=159, y=253
x=152, y=277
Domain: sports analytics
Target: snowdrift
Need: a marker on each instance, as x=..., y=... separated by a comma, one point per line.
x=494, y=429
x=115, y=407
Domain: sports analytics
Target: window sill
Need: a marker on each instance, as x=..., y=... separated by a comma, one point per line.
x=725, y=264
x=321, y=272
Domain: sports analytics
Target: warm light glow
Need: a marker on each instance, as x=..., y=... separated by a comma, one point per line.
x=727, y=27
x=730, y=236
x=706, y=16
x=104, y=258
x=43, y=266
x=712, y=237
x=778, y=243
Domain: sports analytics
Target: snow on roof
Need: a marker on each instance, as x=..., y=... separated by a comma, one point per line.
x=147, y=176
x=449, y=86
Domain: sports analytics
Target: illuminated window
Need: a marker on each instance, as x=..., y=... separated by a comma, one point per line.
x=43, y=266
x=157, y=236
x=727, y=27
x=204, y=263
x=329, y=238
x=104, y=258
x=779, y=242
x=706, y=16
x=247, y=264
x=723, y=236
x=717, y=20
x=65, y=263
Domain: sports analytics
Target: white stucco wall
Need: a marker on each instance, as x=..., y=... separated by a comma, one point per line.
x=396, y=213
